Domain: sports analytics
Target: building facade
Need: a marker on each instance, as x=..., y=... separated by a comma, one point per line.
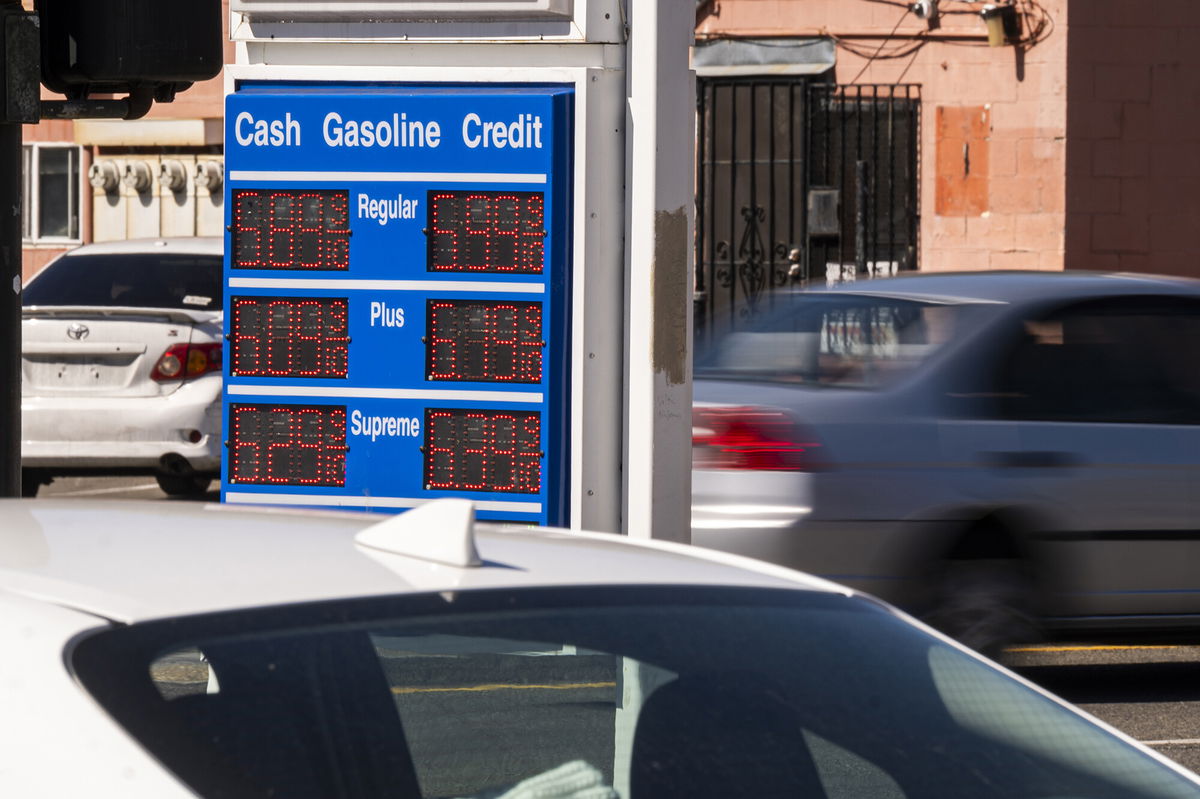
x=100, y=180
x=1072, y=144
x=1066, y=140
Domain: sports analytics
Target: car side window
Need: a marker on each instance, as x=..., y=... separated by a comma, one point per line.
x=484, y=715
x=1125, y=360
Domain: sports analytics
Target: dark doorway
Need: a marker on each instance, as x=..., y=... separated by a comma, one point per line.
x=800, y=181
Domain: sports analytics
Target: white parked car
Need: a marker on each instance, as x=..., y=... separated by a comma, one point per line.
x=121, y=364
x=160, y=650
x=1003, y=453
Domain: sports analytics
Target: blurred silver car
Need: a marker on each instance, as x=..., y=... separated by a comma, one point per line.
x=1004, y=453
x=187, y=650
x=121, y=364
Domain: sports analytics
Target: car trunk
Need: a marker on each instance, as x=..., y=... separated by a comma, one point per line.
x=108, y=352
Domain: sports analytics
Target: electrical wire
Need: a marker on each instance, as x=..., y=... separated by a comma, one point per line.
x=879, y=50
x=907, y=67
x=1038, y=25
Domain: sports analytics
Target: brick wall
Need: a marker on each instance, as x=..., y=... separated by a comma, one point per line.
x=1133, y=132
x=1003, y=205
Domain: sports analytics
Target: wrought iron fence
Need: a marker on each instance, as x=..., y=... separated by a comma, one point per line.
x=799, y=181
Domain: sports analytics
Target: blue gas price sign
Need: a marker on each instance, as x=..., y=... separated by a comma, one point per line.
x=397, y=276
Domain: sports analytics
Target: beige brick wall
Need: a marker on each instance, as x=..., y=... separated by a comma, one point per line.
x=1010, y=211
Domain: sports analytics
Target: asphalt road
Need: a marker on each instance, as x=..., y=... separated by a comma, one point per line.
x=116, y=488
x=1151, y=693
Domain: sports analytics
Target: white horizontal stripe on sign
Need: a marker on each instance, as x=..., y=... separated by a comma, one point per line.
x=388, y=393
x=383, y=285
x=372, y=502
x=386, y=177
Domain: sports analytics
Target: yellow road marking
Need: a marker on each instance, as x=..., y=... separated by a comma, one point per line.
x=1094, y=648
x=503, y=687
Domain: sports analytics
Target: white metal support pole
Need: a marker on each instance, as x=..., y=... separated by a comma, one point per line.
x=660, y=141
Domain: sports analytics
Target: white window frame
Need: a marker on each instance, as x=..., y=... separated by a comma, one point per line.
x=31, y=194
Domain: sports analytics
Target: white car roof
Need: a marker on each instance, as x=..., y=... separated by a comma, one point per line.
x=201, y=245
x=133, y=561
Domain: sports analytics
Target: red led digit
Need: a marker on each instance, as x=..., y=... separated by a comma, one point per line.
x=439, y=458
x=245, y=452
x=484, y=341
x=336, y=352
x=504, y=455
x=290, y=229
x=309, y=470
x=281, y=231
x=506, y=233
x=530, y=468
x=309, y=227
x=475, y=474
x=289, y=337
x=247, y=234
x=482, y=231
x=529, y=351
x=245, y=339
x=532, y=232
x=335, y=241
x=501, y=358
x=483, y=451
x=478, y=226
x=288, y=444
x=307, y=343
x=440, y=344
x=442, y=240
x=278, y=317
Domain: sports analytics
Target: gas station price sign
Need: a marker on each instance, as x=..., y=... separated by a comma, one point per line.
x=396, y=291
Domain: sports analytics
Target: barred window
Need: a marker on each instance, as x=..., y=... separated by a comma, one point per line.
x=50, y=192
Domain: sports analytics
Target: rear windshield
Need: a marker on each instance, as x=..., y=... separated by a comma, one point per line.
x=595, y=692
x=138, y=280
x=846, y=340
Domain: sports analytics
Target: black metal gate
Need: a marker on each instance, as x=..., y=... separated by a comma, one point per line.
x=800, y=181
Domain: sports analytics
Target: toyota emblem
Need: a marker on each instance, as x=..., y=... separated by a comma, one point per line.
x=77, y=331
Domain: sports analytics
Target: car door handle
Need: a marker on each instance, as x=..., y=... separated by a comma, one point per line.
x=1032, y=459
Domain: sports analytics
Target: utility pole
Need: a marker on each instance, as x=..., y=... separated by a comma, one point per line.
x=19, y=41
x=658, y=323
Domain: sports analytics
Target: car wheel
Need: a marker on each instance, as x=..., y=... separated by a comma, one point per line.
x=175, y=485
x=986, y=604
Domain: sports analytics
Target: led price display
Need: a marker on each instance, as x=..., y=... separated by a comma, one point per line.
x=289, y=337
x=485, y=341
x=486, y=231
x=483, y=451
x=302, y=445
x=304, y=229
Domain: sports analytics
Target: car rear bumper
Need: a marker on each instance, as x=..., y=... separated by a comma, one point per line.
x=768, y=516
x=123, y=433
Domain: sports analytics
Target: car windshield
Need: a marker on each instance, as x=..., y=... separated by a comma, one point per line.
x=837, y=339
x=139, y=280
x=597, y=692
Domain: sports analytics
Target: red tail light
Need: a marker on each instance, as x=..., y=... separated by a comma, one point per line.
x=183, y=361
x=744, y=437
